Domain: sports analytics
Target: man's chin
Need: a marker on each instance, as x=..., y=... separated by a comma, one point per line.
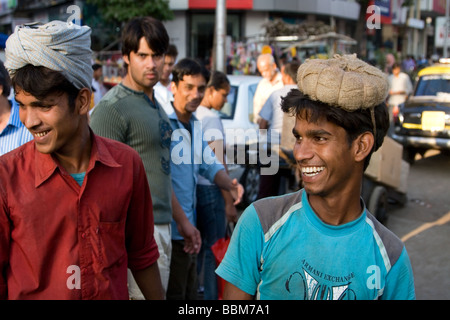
x=43, y=148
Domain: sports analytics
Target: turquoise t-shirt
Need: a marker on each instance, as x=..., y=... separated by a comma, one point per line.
x=281, y=250
x=79, y=177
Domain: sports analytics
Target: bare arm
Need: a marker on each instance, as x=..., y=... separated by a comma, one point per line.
x=231, y=292
x=149, y=281
x=191, y=235
x=223, y=181
x=263, y=124
x=230, y=209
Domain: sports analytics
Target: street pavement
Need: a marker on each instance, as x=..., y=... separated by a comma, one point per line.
x=423, y=224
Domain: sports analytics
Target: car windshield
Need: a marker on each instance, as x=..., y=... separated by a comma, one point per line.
x=433, y=85
x=229, y=107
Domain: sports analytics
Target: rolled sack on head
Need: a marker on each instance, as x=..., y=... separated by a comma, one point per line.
x=344, y=81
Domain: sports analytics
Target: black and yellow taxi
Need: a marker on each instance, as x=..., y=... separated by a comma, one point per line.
x=423, y=120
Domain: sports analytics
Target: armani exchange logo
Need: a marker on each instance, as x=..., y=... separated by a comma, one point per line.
x=313, y=284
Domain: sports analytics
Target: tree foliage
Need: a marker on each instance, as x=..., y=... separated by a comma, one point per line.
x=124, y=10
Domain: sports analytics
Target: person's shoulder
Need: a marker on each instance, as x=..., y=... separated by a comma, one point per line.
x=204, y=113
x=273, y=209
x=16, y=157
x=404, y=75
x=391, y=243
x=116, y=148
x=114, y=97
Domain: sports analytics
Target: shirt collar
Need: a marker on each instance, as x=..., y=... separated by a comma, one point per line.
x=340, y=230
x=173, y=116
x=46, y=164
x=14, y=119
x=154, y=104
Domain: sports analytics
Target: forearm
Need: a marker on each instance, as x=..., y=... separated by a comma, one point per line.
x=149, y=281
x=222, y=180
x=177, y=211
x=186, y=229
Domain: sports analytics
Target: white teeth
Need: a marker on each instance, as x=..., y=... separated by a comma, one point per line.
x=41, y=134
x=311, y=171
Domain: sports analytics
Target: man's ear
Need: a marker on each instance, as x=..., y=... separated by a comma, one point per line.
x=126, y=59
x=83, y=102
x=173, y=87
x=363, y=145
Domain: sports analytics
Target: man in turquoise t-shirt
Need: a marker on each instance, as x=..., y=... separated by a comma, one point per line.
x=321, y=242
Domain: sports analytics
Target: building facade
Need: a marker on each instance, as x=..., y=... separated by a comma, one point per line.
x=416, y=30
x=192, y=30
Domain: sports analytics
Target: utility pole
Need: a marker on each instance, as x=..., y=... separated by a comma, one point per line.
x=445, y=54
x=220, y=35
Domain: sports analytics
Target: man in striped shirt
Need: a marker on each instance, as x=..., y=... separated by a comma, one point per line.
x=12, y=132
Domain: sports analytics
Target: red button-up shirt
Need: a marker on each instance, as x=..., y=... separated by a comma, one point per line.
x=62, y=241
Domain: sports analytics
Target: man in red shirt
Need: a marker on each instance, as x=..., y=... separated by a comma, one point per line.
x=75, y=208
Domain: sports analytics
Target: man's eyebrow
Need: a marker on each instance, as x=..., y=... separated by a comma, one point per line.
x=312, y=133
x=319, y=132
x=36, y=103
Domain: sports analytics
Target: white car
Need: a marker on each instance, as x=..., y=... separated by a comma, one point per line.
x=241, y=134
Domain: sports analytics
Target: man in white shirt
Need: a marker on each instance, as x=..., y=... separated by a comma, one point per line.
x=400, y=87
x=162, y=89
x=271, y=81
x=99, y=89
x=271, y=118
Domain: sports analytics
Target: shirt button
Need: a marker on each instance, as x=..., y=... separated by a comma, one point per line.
x=84, y=235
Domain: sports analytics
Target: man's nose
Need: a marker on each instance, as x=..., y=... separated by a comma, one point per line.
x=29, y=117
x=151, y=62
x=303, y=150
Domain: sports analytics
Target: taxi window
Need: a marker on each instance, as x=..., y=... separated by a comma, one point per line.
x=433, y=85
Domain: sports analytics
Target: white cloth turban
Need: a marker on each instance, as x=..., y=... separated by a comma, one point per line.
x=57, y=45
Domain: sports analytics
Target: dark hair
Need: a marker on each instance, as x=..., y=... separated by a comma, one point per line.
x=172, y=51
x=354, y=123
x=151, y=29
x=218, y=80
x=290, y=69
x=396, y=65
x=188, y=67
x=96, y=66
x=41, y=81
x=5, y=80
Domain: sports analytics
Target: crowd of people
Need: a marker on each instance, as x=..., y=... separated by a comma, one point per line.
x=115, y=194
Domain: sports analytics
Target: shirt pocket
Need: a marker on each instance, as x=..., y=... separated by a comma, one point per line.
x=111, y=242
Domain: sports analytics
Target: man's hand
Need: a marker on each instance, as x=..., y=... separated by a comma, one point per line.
x=237, y=191
x=223, y=181
x=191, y=235
x=231, y=213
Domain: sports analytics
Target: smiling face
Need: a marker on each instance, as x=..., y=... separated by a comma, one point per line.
x=325, y=157
x=55, y=125
x=187, y=95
